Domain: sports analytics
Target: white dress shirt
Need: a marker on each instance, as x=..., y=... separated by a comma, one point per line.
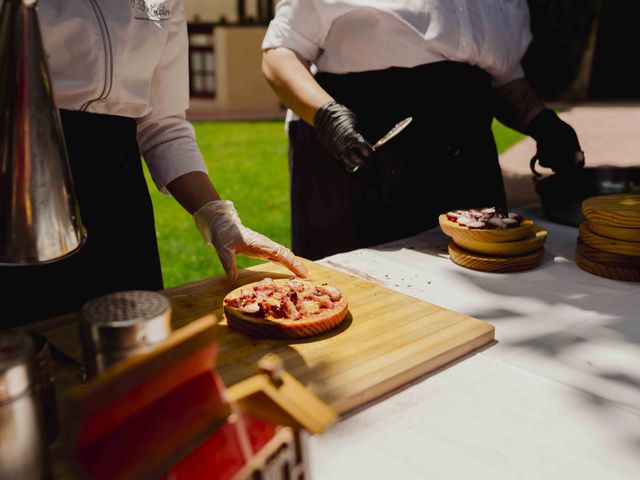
x=341, y=36
x=127, y=58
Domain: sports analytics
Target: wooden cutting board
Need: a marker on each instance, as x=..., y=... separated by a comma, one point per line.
x=620, y=210
x=387, y=340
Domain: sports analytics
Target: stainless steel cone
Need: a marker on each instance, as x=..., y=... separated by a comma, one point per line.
x=39, y=216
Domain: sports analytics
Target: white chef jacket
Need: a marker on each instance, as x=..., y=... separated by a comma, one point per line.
x=342, y=36
x=127, y=58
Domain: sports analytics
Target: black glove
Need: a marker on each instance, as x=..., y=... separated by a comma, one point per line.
x=557, y=142
x=336, y=126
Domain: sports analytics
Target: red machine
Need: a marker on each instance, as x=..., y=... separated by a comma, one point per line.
x=167, y=415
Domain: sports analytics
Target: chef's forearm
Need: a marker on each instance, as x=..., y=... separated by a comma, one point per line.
x=517, y=104
x=193, y=190
x=293, y=83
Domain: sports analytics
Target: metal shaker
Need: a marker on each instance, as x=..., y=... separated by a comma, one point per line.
x=118, y=325
x=22, y=439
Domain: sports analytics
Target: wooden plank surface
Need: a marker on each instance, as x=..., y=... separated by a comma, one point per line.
x=387, y=339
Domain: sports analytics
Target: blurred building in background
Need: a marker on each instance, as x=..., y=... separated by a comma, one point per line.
x=581, y=50
x=225, y=57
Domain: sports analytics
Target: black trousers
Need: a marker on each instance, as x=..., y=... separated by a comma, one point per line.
x=445, y=159
x=120, y=252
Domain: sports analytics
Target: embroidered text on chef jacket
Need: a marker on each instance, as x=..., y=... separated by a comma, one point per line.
x=127, y=58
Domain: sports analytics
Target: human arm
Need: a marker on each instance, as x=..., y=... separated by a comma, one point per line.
x=167, y=142
x=518, y=107
x=222, y=228
x=337, y=126
x=288, y=75
x=517, y=104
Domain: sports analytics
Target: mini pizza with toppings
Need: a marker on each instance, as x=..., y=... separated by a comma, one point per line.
x=490, y=218
x=285, y=308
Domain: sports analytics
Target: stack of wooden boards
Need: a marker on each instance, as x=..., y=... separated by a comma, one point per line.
x=609, y=241
x=504, y=251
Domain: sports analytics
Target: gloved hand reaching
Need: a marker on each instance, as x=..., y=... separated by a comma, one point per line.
x=557, y=143
x=221, y=227
x=336, y=126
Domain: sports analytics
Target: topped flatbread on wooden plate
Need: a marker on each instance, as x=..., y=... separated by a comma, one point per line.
x=284, y=308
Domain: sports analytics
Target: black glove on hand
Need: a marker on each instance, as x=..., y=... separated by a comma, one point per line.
x=557, y=142
x=336, y=126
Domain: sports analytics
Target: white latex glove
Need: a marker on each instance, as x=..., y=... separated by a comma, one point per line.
x=221, y=227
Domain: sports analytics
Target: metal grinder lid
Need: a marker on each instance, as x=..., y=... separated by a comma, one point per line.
x=126, y=320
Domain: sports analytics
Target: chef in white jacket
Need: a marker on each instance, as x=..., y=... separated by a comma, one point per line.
x=120, y=78
x=452, y=65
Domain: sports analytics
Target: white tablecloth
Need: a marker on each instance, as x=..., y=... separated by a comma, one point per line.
x=558, y=395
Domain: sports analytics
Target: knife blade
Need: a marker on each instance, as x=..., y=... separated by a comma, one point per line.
x=397, y=128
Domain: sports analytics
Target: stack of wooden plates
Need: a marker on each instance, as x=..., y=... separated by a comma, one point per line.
x=508, y=250
x=609, y=242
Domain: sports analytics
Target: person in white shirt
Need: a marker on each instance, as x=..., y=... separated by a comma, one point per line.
x=119, y=71
x=452, y=65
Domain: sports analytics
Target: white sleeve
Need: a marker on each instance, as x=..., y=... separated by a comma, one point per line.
x=514, y=74
x=167, y=140
x=523, y=39
x=297, y=26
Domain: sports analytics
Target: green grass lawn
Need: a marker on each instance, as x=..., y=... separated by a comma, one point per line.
x=247, y=162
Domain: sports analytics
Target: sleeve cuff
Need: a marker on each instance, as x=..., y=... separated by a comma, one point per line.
x=514, y=74
x=281, y=35
x=169, y=148
x=172, y=160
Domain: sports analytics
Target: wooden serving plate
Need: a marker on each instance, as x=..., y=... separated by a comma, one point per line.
x=533, y=242
x=283, y=328
x=607, y=258
x=607, y=271
x=459, y=233
x=605, y=244
x=620, y=210
x=487, y=263
x=616, y=233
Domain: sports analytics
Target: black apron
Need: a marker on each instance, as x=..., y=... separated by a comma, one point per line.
x=445, y=159
x=120, y=252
